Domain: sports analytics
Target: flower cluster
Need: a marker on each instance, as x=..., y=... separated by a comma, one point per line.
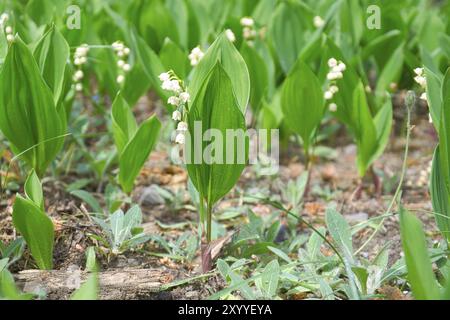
x=336, y=72
x=249, y=33
x=4, y=17
x=80, y=59
x=318, y=22
x=421, y=80
x=122, y=53
x=180, y=99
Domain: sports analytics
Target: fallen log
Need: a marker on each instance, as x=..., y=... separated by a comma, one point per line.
x=113, y=284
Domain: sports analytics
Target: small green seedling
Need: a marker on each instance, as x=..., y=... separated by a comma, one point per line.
x=134, y=143
x=121, y=232
x=32, y=222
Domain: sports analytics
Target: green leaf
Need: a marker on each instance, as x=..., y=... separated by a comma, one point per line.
x=150, y=63
x=52, y=54
x=41, y=11
x=37, y=230
x=216, y=107
x=259, y=75
x=383, y=126
x=302, y=102
x=231, y=61
x=269, y=279
x=364, y=130
x=420, y=272
x=287, y=33
x=88, y=290
x=28, y=117
x=33, y=190
x=340, y=232
x=440, y=196
x=444, y=131
x=391, y=73
x=173, y=58
x=136, y=152
x=123, y=122
x=434, y=98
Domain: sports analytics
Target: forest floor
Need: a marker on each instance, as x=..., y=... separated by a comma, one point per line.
x=334, y=180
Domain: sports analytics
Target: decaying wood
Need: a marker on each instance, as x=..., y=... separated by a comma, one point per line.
x=113, y=284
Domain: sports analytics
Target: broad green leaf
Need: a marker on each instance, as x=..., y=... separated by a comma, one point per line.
x=150, y=63
x=137, y=83
x=440, y=196
x=420, y=272
x=41, y=11
x=269, y=279
x=156, y=23
x=52, y=54
x=259, y=75
x=390, y=74
x=28, y=117
x=216, y=107
x=287, y=33
x=302, y=102
x=434, y=97
x=231, y=61
x=136, y=152
x=88, y=290
x=33, y=190
x=340, y=232
x=123, y=122
x=8, y=289
x=37, y=230
x=444, y=131
x=364, y=130
x=383, y=127
x=173, y=58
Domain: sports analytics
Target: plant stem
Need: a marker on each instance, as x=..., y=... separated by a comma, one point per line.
x=208, y=223
x=400, y=183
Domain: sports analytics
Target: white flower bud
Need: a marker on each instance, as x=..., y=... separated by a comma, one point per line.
x=120, y=63
x=185, y=97
x=332, y=62
x=328, y=95
x=118, y=46
x=120, y=79
x=422, y=81
x=182, y=126
x=180, y=138
x=418, y=71
x=164, y=76
x=247, y=22
x=176, y=115
x=78, y=87
x=4, y=17
x=78, y=75
x=8, y=30
x=230, y=35
x=424, y=96
x=332, y=107
x=334, y=89
x=174, y=101
x=195, y=56
x=126, y=51
x=10, y=38
x=126, y=67
x=318, y=22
